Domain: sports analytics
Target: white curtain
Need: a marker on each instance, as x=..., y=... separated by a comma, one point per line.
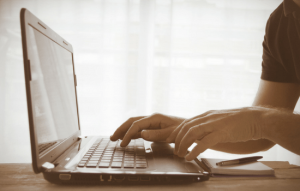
x=137, y=57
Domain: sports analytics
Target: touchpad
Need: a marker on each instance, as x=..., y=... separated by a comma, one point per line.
x=162, y=148
x=165, y=160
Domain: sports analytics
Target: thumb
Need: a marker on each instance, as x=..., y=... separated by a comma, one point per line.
x=157, y=134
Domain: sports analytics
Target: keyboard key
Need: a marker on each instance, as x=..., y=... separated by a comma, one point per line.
x=106, y=158
x=91, y=165
x=92, y=162
x=129, y=161
x=141, y=161
x=105, y=161
x=116, y=164
x=129, y=157
x=94, y=159
x=128, y=165
x=140, y=158
x=104, y=164
x=117, y=159
x=81, y=164
x=141, y=165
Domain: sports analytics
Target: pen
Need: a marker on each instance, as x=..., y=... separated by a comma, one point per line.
x=239, y=161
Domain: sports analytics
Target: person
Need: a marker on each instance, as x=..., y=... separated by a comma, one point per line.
x=269, y=121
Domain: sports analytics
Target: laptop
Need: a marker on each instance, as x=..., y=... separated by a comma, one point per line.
x=58, y=149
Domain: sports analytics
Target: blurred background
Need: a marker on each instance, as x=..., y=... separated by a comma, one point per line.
x=137, y=57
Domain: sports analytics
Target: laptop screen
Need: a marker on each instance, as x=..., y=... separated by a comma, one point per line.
x=52, y=91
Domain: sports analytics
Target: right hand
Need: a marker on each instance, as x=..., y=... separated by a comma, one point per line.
x=156, y=127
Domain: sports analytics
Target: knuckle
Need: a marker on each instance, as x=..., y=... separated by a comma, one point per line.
x=135, y=124
x=157, y=115
x=132, y=119
x=186, y=122
x=185, y=127
x=192, y=132
x=211, y=111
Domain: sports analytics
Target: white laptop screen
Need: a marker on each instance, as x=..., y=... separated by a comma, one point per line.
x=52, y=90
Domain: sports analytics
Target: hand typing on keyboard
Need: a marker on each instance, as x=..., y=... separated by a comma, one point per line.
x=156, y=127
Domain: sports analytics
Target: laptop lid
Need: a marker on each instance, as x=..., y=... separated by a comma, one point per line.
x=50, y=90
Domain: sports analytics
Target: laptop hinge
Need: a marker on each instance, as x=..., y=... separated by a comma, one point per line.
x=48, y=166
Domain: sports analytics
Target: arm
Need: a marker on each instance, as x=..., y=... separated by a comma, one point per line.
x=284, y=130
x=274, y=94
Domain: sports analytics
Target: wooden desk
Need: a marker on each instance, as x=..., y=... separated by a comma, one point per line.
x=21, y=177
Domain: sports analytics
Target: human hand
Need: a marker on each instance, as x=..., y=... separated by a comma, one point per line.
x=212, y=127
x=156, y=127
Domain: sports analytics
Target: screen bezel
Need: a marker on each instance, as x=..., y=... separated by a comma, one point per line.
x=26, y=19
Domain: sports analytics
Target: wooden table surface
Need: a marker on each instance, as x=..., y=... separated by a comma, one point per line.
x=21, y=177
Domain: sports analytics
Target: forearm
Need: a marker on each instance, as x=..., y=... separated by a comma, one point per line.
x=247, y=147
x=280, y=95
x=282, y=127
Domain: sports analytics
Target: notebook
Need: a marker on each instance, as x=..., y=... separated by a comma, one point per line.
x=248, y=169
x=58, y=149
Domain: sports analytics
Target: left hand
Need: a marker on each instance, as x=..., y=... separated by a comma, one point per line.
x=212, y=127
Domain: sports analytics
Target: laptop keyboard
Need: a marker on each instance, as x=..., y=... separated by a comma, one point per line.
x=105, y=153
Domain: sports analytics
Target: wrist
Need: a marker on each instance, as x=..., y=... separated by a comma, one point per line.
x=272, y=122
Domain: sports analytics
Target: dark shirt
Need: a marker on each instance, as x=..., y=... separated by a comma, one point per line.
x=281, y=46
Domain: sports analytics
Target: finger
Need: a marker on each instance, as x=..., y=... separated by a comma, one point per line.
x=174, y=134
x=190, y=137
x=152, y=121
x=121, y=131
x=207, y=142
x=156, y=135
x=185, y=129
x=201, y=120
x=137, y=135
